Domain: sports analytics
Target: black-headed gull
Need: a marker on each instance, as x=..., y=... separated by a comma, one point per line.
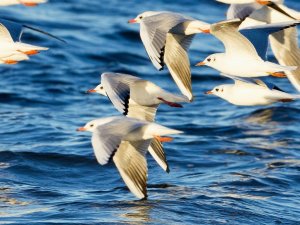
x=139, y=99
x=125, y=141
x=23, y=2
x=167, y=37
x=245, y=50
x=251, y=92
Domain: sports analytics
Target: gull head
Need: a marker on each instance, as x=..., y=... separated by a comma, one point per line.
x=99, y=89
x=94, y=124
x=143, y=15
x=215, y=61
x=220, y=91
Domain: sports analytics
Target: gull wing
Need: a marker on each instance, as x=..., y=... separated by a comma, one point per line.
x=4, y=34
x=157, y=151
x=117, y=87
x=259, y=35
x=241, y=11
x=236, y=44
x=177, y=60
x=132, y=165
x=153, y=31
x=16, y=30
x=107, y=138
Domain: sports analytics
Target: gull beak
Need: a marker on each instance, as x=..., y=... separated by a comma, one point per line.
x=200, y=64
x=81, y=129
x=132, y=21
x=91, y=91
x=209, y=93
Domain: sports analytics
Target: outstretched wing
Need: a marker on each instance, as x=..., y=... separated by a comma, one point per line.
x=153, y=31
x=258, y=35
x=177, y=60
x=235, y=43
x=132, y=165
x=107, y=138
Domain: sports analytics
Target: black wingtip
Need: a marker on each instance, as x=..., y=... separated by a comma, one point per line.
x=46, y=33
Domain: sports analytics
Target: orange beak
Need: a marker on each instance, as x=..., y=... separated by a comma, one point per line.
x=200, y=64
x=81, y=129
x=209, y=93
x=91, y=91
x=132, y=21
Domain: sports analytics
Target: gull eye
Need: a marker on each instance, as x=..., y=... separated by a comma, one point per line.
x=141, y=17
x=208, y=60
x=217, y=89
x=91, y=125
x=101, y=88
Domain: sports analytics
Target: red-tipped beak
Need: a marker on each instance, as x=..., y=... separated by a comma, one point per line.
x=209, y=93
x=132, y=21
x=81, y=129
x=91, y=91
x=200, y=64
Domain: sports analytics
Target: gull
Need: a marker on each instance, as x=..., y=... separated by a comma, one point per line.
x=13, y=52
x=166, y=37
x=23, y=2
x=245, y=50
x=138, y=98
x=284, y=44
x=125, y=141
x=251, y=92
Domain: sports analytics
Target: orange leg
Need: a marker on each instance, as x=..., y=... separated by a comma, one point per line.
x=29, y=4
x=278, y=74
x=31, y=52
x=11, y=62
x=163, y=139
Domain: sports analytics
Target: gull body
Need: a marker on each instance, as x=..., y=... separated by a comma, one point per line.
x=251, y=93
x=138, y=98
x=125, y=141
x=166, y=37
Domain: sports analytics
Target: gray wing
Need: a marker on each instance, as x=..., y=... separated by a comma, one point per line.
x=132, y=165
x=177, y=60
x=241, y=11
x=153, y=31
x=107, y=138
x=234, y=42
x=157, y=152
x=285, y=47
x=117, y=87
x=259, y=35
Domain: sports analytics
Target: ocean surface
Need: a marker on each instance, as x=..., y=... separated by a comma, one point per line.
x=232, y=165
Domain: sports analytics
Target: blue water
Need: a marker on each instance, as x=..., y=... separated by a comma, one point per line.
x=233, y=165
